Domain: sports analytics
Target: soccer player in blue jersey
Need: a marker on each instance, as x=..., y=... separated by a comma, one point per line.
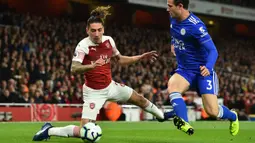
x=196, y=55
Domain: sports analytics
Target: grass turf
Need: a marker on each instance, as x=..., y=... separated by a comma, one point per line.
x=137, y=132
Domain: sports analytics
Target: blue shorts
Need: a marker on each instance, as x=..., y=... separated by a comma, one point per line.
x=203, y=85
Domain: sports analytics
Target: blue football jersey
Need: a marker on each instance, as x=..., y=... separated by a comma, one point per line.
x=187, y=37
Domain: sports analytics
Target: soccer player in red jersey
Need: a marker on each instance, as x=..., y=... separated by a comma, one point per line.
x=92, y=58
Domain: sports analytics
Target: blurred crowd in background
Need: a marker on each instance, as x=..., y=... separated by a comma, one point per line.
x=244, y=3
x=36, y=54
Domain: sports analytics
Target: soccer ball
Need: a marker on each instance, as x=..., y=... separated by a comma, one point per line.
x=91, y=133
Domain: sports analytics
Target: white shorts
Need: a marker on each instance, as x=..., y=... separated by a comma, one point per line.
x=94, y=99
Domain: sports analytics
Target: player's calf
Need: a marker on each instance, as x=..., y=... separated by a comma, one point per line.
x=212, y=112
x=48, y=130
x=138, y=100
x=67, y=131
x=146, y=105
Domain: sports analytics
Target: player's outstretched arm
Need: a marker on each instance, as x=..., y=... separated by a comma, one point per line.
x=78, y=68
x=127, y=60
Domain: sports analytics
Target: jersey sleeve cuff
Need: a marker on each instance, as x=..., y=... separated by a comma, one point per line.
x=77, y=60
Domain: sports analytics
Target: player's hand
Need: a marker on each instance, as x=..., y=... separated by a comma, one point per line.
x=172, y=50
x=152, y=56
x=98, y=62
x=204, y=71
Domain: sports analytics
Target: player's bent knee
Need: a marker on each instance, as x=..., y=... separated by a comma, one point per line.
x=172, y=88
x=177, y=84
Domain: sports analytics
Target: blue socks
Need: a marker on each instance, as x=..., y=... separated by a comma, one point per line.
x=225, y=113
x=170, y=114
x=180, y=108
x=179, y=105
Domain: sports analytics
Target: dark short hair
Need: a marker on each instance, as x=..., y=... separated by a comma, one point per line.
x=94, y=19
x=185, y=3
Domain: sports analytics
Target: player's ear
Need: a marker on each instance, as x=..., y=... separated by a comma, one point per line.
x=180, y=5
x=103, y=30
x=87, y=30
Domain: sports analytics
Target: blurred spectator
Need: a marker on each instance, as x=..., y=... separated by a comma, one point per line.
x=56, y=98
x=77, y=98
x=24, y=97
x=5, y=97
x=242, y=116
x=252, y=111
x=38, y=97
x=65, y=99
x=190, y=101
x=47, y=99
x=239, y=103
x=244, y=3
x=14, y=95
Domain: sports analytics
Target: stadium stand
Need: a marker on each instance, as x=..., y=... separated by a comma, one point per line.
x=243, y=3
x=36, y=55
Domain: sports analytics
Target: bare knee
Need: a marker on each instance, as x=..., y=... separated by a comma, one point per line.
x=177, y=84
x=172, y=88
x=213, y=112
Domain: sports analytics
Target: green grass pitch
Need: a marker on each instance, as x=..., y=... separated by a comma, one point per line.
x=137, y=132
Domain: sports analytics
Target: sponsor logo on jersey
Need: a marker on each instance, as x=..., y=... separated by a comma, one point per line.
x=183, y=31
x=202, y=30
x=179, y=44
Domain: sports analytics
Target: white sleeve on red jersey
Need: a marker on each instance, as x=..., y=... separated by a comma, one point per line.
x=80, y=51
x=114, y=48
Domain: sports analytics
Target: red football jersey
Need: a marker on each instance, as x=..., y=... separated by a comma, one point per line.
x=87, y=52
